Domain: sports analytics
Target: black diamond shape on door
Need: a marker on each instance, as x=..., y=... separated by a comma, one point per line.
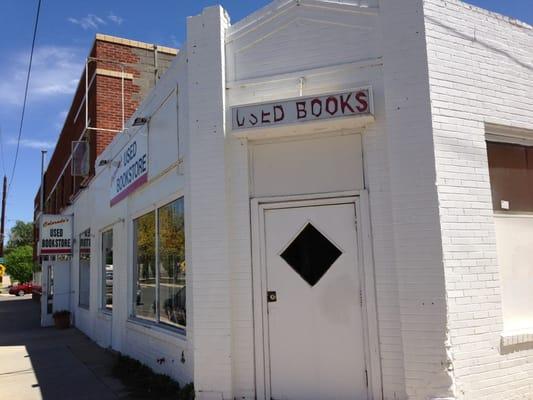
x=311, y=254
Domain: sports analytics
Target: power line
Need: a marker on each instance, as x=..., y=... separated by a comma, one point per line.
x=2, y=151
x=25, y=94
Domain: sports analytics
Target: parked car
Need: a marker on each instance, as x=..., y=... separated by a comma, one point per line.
x=36, y=289
x=21, y=289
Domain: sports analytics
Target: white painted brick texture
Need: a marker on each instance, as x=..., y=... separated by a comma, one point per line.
x=480, y=70
x=417, y=238
x=208, y=218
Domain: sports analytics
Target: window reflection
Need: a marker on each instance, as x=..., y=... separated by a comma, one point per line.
x=107, y=269
x=172, y=264
x=145, y=300
x=160, y=292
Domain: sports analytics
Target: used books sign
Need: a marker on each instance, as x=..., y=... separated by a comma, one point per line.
x=55, y=234
x=132, y=170
x=302, y=109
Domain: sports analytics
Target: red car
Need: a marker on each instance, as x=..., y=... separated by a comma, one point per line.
x=21, y=289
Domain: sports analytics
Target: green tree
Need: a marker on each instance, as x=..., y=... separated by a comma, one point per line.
x=20, y=235
x=19, y=263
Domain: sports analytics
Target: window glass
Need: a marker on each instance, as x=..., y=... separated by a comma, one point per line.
x=107, y=269
x=144, y=247
x=172, y=264
x=85, y=268
x=511, y=176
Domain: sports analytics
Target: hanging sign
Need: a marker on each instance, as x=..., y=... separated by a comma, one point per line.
x=55, y=234
x=85, y=242
x=302, y=109
x=132, y=170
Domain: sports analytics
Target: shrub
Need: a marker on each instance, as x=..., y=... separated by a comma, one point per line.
x=146, y=384
x=19, y=263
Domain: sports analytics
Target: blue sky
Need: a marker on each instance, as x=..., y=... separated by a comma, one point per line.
x=65, y=34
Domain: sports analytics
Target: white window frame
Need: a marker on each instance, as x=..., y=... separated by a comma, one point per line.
x=103, y=304
x=181, y=331
x=510, y=341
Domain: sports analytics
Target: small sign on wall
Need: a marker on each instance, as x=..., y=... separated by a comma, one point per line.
x=132, y=170
x=302, y=109
x=55, y=234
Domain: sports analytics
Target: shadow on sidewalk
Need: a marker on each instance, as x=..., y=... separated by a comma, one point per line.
x=50, y=364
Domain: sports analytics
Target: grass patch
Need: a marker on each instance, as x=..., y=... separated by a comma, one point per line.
x=146, y=384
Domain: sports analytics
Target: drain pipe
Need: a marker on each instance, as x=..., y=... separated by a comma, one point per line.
x=156, y=65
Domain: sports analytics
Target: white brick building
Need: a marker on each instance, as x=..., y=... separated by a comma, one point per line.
x=323, y=169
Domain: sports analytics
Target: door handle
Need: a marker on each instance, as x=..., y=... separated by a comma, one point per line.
x=272, y=296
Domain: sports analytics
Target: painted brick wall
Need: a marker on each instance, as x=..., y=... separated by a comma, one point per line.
x=207, y=228
x=415, y=212
x=377, y=182
x=480, y=70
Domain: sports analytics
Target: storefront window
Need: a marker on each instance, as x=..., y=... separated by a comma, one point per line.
x=511, y=180
x=160, y=292
x=511, y=176
x=172, y=264
x=107, y=269
x=85, y=268
x=145, y=288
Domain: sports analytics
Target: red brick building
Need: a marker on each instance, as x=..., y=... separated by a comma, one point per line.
x=120, y=73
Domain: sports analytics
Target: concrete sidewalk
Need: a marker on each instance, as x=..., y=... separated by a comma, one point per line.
x=48, y=364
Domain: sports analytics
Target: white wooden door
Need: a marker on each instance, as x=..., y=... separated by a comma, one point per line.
x=315, y=333
x=55, y=289
x=62, y=285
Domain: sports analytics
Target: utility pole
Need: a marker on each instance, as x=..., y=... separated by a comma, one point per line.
x=43, y=155
x=3, y=219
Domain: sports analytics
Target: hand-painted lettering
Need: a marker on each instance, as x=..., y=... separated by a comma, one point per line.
x=332, y=105
x=300, y=109
x=344, y=104
x=253, y=119
x=361, y=98
x=265, y=117
x=239, y=122
x=279, y=113
x=316, y=107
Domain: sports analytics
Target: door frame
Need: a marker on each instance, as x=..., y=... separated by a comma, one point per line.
x=365, y=271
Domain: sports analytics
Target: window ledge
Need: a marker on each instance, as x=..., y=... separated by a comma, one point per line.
x=105, y=314
x=516, y=340
x=158, y=332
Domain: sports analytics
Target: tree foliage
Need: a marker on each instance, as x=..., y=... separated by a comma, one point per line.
x=20, y=235
x=19, y=263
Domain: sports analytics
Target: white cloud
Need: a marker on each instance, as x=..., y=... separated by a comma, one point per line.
x=115, y=18
x=55, y=71
x=91, y=21
x=61, y=116
x=175, y=42
x=33, y=143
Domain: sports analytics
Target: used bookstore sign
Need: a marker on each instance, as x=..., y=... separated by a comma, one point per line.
x=55, y=234
x=303, y=109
